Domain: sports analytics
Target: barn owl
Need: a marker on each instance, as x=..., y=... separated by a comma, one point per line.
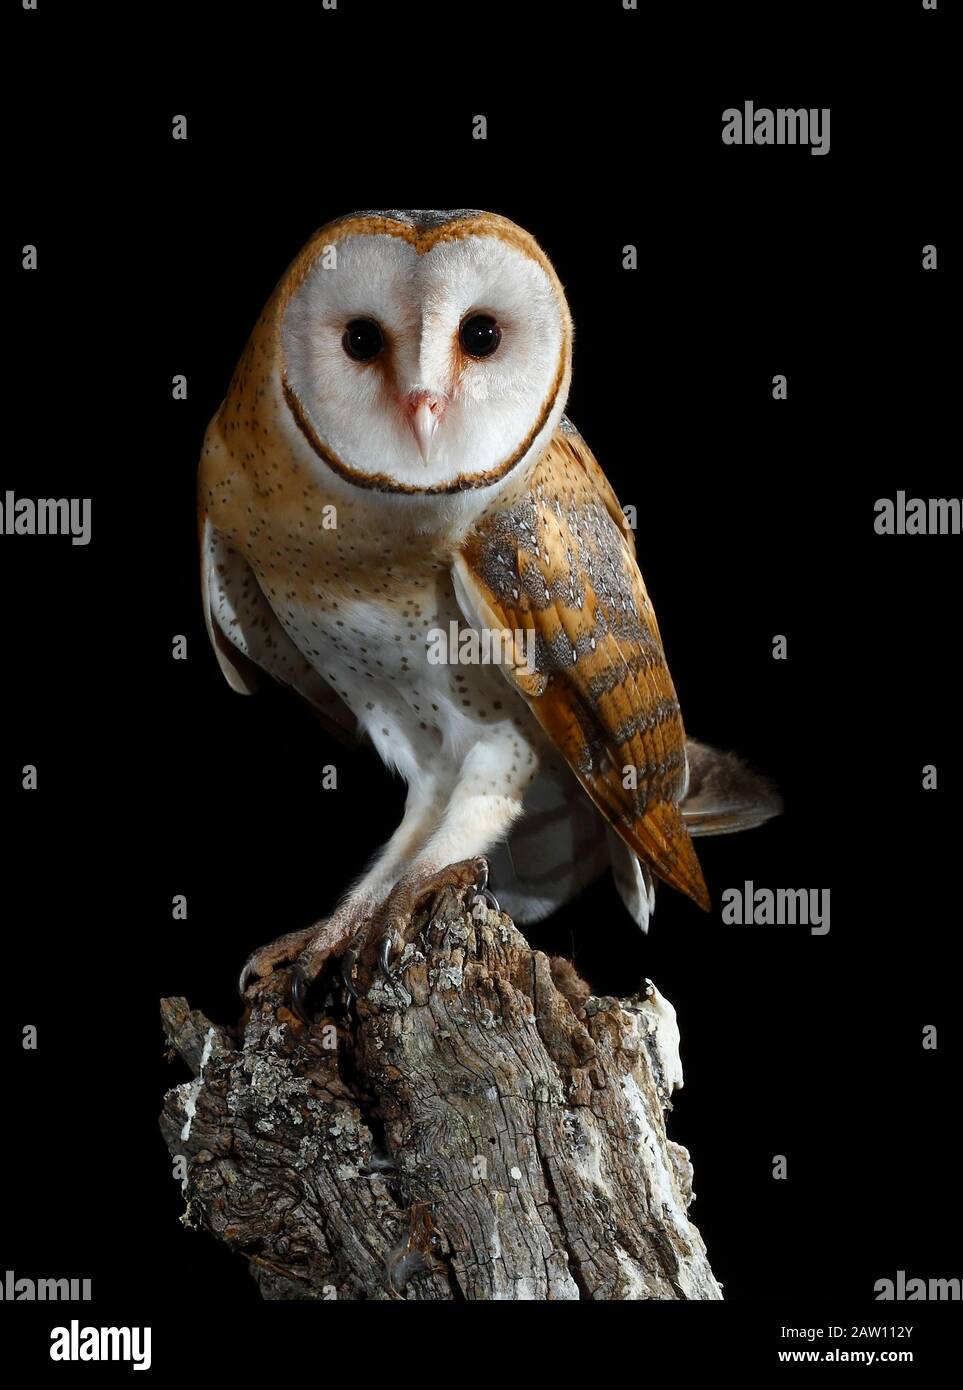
x=392, y=466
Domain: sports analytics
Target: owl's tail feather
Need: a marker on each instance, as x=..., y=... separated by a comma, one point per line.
x=660, y=837
x=724, y=794
x=563, y=842
x=634, y=882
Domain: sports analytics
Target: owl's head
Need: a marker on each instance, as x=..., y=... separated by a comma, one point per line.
x=424, y=352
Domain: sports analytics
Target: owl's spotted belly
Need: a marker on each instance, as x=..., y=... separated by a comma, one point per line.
x=414, y=675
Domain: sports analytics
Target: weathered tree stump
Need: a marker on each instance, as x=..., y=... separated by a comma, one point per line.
x=478, y=1127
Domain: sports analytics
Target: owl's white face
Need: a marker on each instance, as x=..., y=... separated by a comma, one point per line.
x=426, y=370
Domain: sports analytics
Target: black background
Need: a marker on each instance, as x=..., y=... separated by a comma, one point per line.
x=755, y=518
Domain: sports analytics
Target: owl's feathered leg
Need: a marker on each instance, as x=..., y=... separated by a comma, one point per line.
x=311, y=946
x=474, y=821
x=484, y=804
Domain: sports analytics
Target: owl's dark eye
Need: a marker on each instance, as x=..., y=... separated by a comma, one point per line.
x=362, y=340
x=479, y=335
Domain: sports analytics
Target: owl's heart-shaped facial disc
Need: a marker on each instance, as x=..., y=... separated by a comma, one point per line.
x=424, y=355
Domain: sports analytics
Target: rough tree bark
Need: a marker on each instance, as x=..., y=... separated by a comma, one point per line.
x=478, y=1127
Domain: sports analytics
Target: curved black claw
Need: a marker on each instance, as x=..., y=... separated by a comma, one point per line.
x=350, y=959
x=300, y=987
x=348, y=962
x=384, y=953
x=482, y=891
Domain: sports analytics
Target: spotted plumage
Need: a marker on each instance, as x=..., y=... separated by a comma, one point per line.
x=392, y=462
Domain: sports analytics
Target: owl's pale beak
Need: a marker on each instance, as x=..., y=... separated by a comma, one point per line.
x=424, y=412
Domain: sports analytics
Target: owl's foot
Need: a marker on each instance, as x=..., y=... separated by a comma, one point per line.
x=266, y=959
x=482, y=890
x=391, y=924
x=327, y=939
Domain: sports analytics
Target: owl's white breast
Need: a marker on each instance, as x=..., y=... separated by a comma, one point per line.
x=375, y=653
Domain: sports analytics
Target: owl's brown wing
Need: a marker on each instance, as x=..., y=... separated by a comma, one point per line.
x=554, y=562
x=247, y=637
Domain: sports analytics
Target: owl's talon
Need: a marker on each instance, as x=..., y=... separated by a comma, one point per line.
x=266, y=959
x=300, y=987
x=482, y=891
x=384, y=954
x=348, y=962
x=350, y=959
x=388, y=928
